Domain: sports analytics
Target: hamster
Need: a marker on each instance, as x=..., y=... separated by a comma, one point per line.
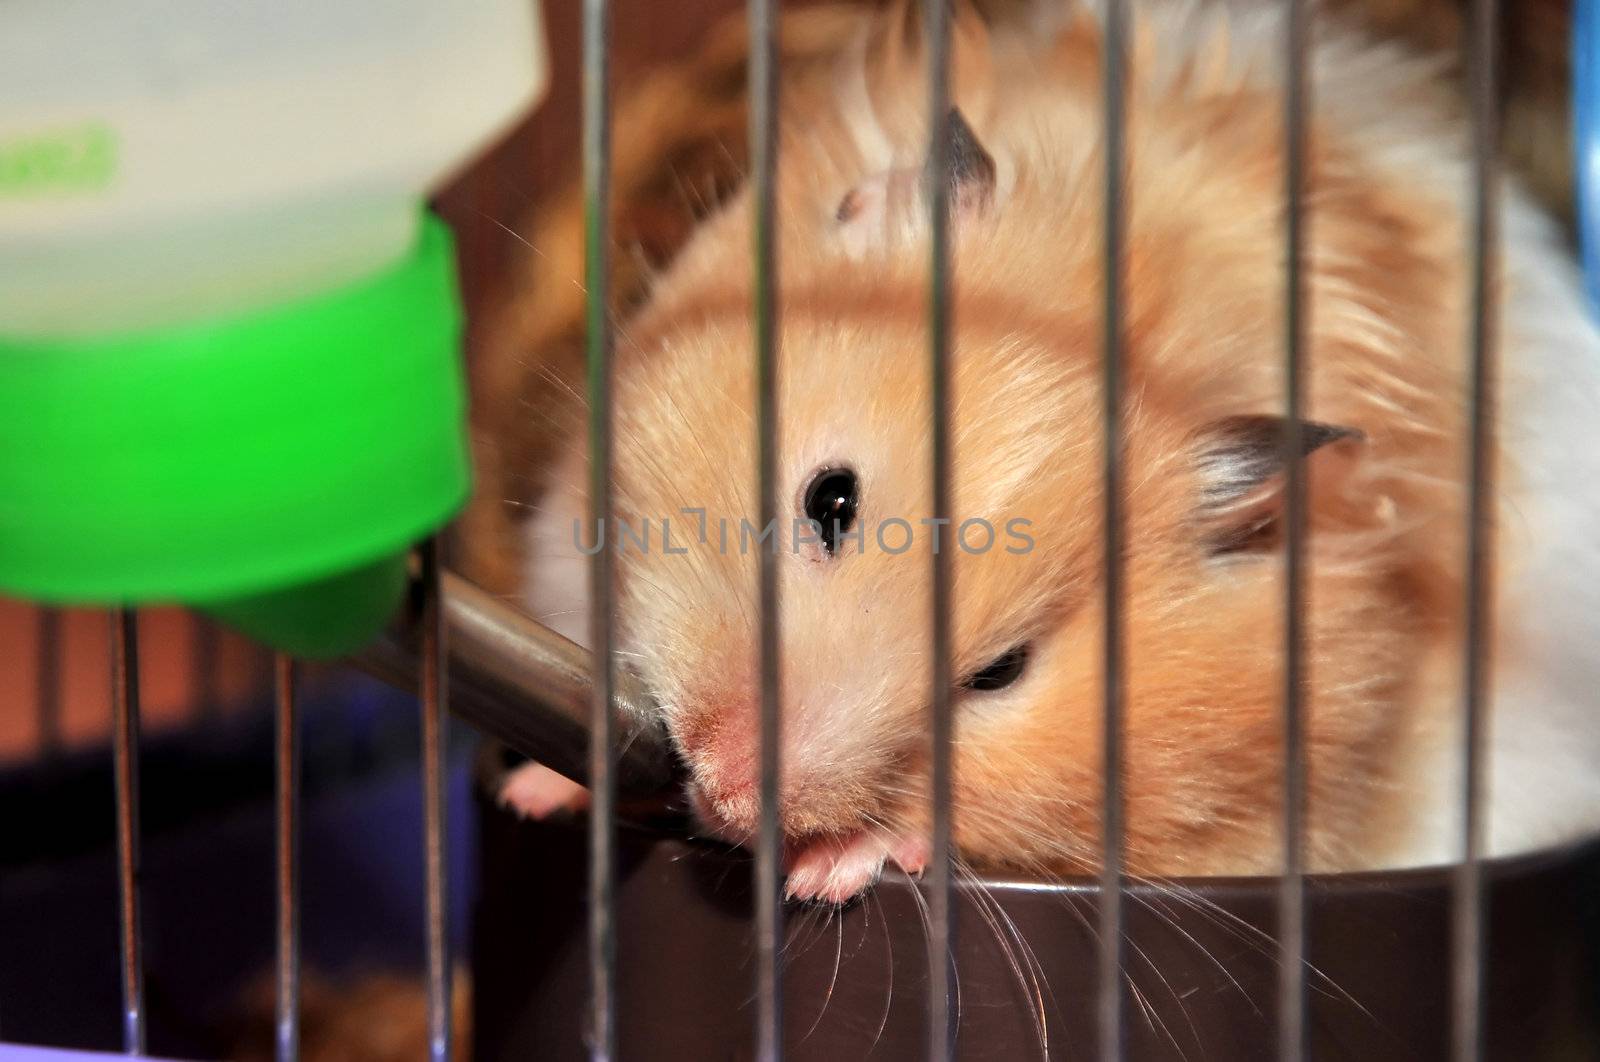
x=1387, y=290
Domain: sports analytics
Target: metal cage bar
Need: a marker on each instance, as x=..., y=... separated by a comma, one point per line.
x=602, y=784
x=762, y=15
x=287, y=795
x=1111, y=1008
x=125, y=762
x=207, y=664
x=433, y=696
x=1291, y=885
x=942, y=1016
x=1468, y=913
x=47, y=694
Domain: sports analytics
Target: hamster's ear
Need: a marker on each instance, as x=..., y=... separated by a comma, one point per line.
x=972, y=169
x=885, y=207
x=1241, y=466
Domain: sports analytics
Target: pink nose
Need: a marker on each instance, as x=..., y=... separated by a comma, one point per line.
x=720, y=745
x=720, y=742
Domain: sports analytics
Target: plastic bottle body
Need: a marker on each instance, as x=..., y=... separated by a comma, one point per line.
x=229, y=333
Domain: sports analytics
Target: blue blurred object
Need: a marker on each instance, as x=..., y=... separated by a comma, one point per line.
x=1586, y=138
x=207, y=871
x=10, y=1053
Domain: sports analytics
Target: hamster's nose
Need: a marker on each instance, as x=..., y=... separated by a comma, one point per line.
x=721, y=746
x=730, y=801
x=719, y=743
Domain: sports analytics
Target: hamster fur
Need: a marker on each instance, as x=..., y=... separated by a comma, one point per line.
x=1387, y=290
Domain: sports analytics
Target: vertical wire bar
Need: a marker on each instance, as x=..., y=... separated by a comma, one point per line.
x=287, y=785
x=1468, y=898
x=1291, y=885
x=434, y=765
x=763, y=171
x=47, y=693
x=602, y=784
x=207, y=658
x=941, y=931
x=125, y=765
x=1111, y=1010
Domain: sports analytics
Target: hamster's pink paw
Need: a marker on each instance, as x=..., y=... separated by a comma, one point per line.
x=534, y=791
x=836, y=872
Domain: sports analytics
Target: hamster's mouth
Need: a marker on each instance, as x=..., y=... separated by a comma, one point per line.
x=832, y=867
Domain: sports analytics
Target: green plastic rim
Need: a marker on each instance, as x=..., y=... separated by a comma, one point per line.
x=275, y=465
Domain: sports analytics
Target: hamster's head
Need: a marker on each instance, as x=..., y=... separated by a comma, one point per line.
x=1203, y=503
x=854, y=554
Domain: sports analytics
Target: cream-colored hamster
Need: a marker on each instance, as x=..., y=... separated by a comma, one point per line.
x=1386, y=288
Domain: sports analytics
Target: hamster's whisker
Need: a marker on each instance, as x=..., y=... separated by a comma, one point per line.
x=1150, y=904
x=1025, y=966
x=1252, y=936
x=833, y=980
x=1150, y=1003
x=581, y=398
x=888, y=946
x=508, y=230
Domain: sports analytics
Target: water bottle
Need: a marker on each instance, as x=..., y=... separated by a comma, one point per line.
x=229, y=327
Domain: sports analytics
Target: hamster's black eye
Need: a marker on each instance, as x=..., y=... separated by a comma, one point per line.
x=831, y=501
x=1000, y=672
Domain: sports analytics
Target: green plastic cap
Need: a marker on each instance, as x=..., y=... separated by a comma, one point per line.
x=272, y=468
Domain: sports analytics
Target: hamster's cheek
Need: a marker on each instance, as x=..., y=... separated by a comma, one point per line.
x=555, y=577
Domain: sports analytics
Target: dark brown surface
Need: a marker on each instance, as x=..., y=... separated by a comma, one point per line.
x=854, y=982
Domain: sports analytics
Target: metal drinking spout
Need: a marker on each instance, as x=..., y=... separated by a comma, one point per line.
x=517, y=680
